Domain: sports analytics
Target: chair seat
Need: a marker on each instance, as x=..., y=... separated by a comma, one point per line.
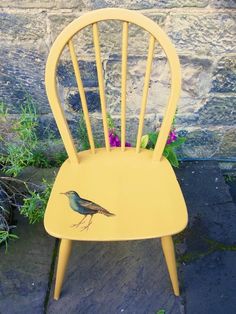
x=144, y=196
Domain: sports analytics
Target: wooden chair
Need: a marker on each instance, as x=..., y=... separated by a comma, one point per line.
x=139, y=186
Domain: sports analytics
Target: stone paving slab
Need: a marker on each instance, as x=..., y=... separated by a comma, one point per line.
x=202, y=184
x=117, y=277
x=24, y=270
x=209, y=284
x=207, y=248
x=211, y=209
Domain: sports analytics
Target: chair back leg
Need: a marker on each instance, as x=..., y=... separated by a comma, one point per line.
x=64, y=254
x=169, y=253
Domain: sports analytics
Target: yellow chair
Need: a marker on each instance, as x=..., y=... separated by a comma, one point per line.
x=137, y=185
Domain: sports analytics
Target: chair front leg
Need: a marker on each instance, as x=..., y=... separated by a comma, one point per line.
x=64, y=254
x=169, y=253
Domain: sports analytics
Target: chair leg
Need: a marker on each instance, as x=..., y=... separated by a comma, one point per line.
x=169, y=253
x=64, y=253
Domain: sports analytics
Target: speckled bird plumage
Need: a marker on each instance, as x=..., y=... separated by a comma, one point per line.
x=85, y=207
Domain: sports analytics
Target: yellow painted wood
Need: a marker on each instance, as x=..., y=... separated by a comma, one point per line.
x=127, y=184
x=130, y=17
x=58, y=112
x=123, y=83
x=143, y=195
x=171, y=106
x=145, y=91
x=169, y=253
x=64, y=254
x=82, y=94
x=101, y=83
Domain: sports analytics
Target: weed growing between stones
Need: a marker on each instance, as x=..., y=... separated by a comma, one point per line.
x=20, y=150
x=229, y=178
x=5, y=231
x=23, y=150
x=35, y=204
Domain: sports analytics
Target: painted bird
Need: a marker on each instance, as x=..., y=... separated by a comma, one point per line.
x=85, y=207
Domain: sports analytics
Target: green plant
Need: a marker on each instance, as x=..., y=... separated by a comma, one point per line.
x=3, y=109
x=35, y=204
x=24, y=150
x=82, y=133
x=229, y=178
x=114, y=138
x=161, y=312
x=5, y=231
x=149, y=141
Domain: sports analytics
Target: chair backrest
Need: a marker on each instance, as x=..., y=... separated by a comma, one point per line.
x=65, y=38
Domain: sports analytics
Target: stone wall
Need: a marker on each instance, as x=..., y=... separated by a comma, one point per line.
x=203, y=32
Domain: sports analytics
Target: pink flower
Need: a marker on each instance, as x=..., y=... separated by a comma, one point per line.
x=115, y=140
x=172, y=137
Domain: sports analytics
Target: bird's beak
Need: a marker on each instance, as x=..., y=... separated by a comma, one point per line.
x=63, y=193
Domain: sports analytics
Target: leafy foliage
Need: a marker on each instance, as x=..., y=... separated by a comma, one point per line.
x=35, y=204
x=149, y=141
x=5, y=231
x=23, y=151
x=82, y=133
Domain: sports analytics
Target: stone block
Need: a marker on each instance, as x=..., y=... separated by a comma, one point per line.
x=70, y=4
x=19, y=27
x=25, y=269
x=47, y=127
x=57, y=22
x=223, y=4
x=110, y=36
x=25, y=4
x=93, y=101
x=22, y=75
x=158, y=91
x=200, y=143
x=194, y=176
x=209, y=284
x=43, y=4
x=88, y=70
x=218, y=111
x=146, y=4
x=227, y=146
x=224, y=76
x=203, y=34
x=196, y=76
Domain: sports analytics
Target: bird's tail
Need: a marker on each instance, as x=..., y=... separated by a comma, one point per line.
x=106, y=212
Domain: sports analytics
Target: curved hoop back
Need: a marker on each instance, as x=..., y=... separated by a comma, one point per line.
x=65, y=38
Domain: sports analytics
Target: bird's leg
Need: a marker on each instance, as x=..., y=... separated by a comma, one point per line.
x=81, y=222
x=89, y=223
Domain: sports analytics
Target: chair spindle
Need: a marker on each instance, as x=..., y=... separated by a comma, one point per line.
x=145, y=91
x=82, y=94
x=101, y=83
x=123, y=83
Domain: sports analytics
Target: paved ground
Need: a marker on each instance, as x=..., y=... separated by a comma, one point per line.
x=131, y=277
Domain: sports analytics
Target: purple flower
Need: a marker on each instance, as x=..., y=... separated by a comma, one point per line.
x=115, y=140
x=172, y=137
